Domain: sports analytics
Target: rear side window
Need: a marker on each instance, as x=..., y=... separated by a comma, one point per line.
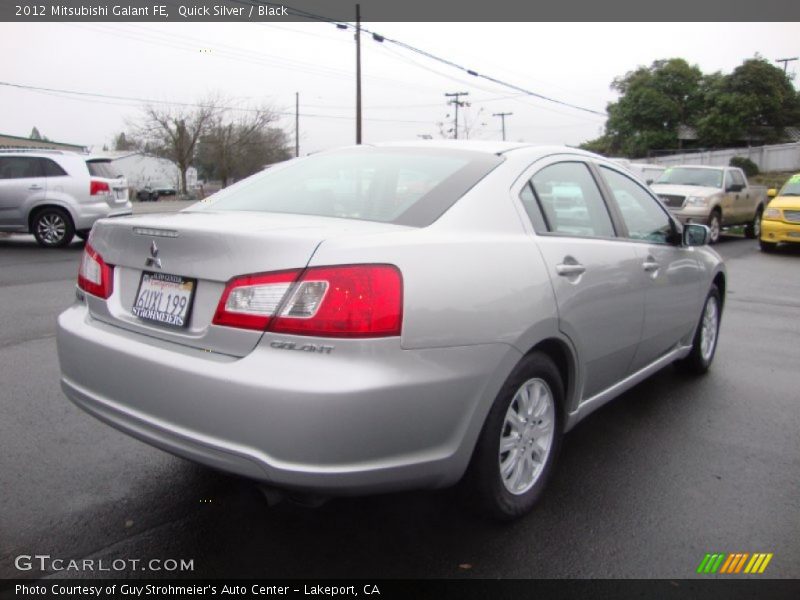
x=571, y=201
x=101, y=168
x=51, y=168
x=405, y=186
x=19, y=167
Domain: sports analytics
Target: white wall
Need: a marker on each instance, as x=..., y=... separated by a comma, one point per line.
x=779, y=157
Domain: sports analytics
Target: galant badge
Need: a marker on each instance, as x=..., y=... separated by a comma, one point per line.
x=153, y=260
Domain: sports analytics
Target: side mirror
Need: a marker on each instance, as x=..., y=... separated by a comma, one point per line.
x=695, y=234
x=772, y=192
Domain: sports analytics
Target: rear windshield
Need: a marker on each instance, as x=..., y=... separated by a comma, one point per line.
x=690, y=176
x=391, y=185
x=102, y=168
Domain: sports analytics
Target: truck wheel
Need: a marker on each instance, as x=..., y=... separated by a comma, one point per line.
x=752, y=230
x=52, y=227
x=519, y=442
x=714, y=226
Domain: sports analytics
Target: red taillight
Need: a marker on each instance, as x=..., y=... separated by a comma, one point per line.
x=344, y=301
x=250, y=302
x=349, y=301
x=94, y=275
x=96, y=187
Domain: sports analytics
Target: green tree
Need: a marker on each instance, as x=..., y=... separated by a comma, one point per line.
x=754, y=103
x=653, y=102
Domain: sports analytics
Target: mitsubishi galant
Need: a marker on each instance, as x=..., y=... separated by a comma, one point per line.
x=387, y=317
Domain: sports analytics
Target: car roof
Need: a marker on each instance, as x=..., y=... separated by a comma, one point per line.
x=706, y=167
x=488, y=147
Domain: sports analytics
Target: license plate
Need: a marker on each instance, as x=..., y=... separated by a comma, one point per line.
x=164, y=299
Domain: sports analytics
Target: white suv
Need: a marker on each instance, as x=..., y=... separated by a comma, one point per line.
x=56, y=195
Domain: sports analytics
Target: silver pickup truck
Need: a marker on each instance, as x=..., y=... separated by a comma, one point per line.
x=715, y=196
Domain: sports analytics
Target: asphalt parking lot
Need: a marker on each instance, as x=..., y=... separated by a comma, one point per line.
x=675, y=468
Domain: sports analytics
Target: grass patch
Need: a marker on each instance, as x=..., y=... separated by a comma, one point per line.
x=772, y=179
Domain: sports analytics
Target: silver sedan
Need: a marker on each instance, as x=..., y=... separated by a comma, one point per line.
x=389, y=317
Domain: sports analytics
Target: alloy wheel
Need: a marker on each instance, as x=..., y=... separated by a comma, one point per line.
x=51, y=228
x=526, y=437
x=708, y=335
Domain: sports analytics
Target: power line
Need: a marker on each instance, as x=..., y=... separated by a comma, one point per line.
x=89, y=95
x=381, y=38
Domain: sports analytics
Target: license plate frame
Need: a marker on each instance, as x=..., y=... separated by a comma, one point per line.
x=150, y=311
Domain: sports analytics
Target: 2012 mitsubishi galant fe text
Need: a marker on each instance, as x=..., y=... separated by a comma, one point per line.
x=388, y=317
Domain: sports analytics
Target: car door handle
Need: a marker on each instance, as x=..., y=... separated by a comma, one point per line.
x=650, y=265
x=35, y=187
x=566, y=270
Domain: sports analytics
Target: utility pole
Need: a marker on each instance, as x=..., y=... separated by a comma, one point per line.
x=785, y=61
x=358, y=73
x=297, y=124
x=503, y=119
x=456, y=101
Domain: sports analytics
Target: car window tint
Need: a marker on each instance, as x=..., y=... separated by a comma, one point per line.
x=19, y=167
x=51, y=168
x=643, y=216
x=738, y=179
x=101, y=168
x=571, y=201
x=404, y=186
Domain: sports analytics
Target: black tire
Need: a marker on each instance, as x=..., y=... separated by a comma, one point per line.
x=52, y=227
x=767, y=246
x=484, y=481
x=714, y=226
x=752, y=230
x=699, y=360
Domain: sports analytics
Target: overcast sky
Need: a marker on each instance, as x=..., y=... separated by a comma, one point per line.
x=403, y=93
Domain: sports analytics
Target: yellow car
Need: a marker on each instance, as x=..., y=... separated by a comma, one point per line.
x=781, y=219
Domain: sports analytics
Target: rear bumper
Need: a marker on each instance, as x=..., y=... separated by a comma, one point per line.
x=368, y=417
x=87, y=214
x=780, y=231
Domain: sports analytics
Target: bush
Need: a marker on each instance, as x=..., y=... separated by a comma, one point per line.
x=745, y=164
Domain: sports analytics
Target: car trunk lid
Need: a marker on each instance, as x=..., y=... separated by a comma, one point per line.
x=203, y=250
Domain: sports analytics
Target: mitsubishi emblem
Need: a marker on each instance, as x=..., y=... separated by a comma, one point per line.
x=153, y=260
